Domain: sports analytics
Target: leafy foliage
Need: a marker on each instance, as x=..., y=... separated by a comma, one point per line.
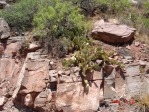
x=86, y=56
x=58, y=18
x=20, y=14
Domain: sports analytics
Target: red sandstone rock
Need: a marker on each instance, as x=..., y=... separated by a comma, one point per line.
x=8, y=76
x=112, y=33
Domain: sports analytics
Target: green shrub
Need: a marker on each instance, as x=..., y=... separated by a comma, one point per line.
x=58, y=19
x=20, y=14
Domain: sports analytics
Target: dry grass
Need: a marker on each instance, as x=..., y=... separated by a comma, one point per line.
x=142, y=103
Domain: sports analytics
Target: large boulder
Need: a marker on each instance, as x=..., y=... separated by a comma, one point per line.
x=112, y=33
x=71, y=97
x=4, y=29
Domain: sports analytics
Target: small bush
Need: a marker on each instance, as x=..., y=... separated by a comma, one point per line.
x=20, y=15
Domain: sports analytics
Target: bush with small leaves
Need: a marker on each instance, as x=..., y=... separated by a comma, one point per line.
x=58, y=19
x=20, y=15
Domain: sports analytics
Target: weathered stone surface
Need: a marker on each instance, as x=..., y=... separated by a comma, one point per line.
x=34, y=76
x=2, y=100
x=133, y=86
x=28, y=100
x=133, y=70
x=4, y=29
x=16, y=39
x=1, y=49
x=71, y=97
x=40, y=100
x=12, y=49
x=109, y=82
x=112, y=33
x=2, y=4
x=137, y=44
x=33, y=47
x=120, y=83
x=8, y=76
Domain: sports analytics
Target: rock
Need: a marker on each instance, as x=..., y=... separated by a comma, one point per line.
x=134, y=2
x=4, y=29
x=34, y=76
x=16, y=39
x=53, y=79
x=33, y=79
x=40, y=101
x=1, y=49
x=114, y=21
x=33, y=47
x=128, y=58
x=109, y=82
x=65, y=79
x=2, y=4
x=137, y=44
x=67, y=72
x=133, y=70
x=71, y=97
x=2, y=101
x=99, y=62
x=112, y=33
x=12, y=49
x=142, y=63
x=75, y=69
x=8, y=76
x=49, y=97
x=61, y=72
x=120, y=83
x=53, y=73
x=125, y=61
x=133, y=86
x=128, y=47
x=28, y=100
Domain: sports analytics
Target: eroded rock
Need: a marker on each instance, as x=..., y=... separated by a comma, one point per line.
x=71, y=97
x=4, y=29
x=2, y=4
x=112, y=33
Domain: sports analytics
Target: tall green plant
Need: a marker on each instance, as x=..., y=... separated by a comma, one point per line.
x=58, y=18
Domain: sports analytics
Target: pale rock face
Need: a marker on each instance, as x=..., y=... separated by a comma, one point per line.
x=4, y=29
x=134, y=2
x=2, y=101
x=28, y=100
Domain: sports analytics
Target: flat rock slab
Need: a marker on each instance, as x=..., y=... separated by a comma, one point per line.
x=133, y=86
x=112, y=33
x=71, y=97
x=34, y=76
x=133, y=70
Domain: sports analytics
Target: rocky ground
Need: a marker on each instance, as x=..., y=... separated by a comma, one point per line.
x=35, y=82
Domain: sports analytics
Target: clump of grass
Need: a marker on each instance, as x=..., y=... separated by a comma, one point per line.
x=143, y=103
